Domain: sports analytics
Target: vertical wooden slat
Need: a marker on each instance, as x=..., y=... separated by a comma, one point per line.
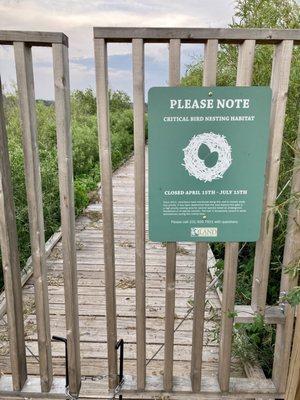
x=245, y=63
x=210, y=63
x=65, y=173
x=229, y=283
x=25, y=82
x=174, y=80
x=293, y=385
x=139, y=181
x=107, y=204
x=11, y=262
x=169, y=315
x=279, y=86
x=209, y=79
x=284, y=332
x=174, y=62
x=198, y=317
x=244, y=78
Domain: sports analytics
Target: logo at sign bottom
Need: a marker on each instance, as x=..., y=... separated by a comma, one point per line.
x=204, y=232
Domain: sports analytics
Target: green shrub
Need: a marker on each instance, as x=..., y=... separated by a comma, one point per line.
x=254, y=343
x=85, y=155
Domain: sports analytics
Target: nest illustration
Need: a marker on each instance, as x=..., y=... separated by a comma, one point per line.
x=212, y=147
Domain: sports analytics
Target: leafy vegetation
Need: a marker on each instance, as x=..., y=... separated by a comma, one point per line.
x=254, y=343
x=85, y=155
x=283, y=14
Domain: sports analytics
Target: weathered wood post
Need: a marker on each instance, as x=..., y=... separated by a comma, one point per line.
x=209, y=79
x=67, y=209
x=10, y=262
x=25, y=80
x=107, y=202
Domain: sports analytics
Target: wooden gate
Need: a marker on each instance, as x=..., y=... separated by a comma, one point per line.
x=22, y=43
x=225, y=386
x=198, y=387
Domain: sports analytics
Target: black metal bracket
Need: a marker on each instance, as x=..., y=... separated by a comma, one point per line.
x=120, y=345
x=64, y=340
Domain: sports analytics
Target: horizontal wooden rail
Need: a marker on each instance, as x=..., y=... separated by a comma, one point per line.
x=239, y=388
x=32, y=389
x=45, y=39
x=245, y=315
x=190, y=35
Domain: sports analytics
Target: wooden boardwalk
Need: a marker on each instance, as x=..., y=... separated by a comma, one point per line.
x=89, y=242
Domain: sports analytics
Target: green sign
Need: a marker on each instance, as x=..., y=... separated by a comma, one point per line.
x=207, y=158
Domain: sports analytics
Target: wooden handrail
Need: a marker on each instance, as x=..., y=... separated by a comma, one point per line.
x=190, y=35
x=45, y=39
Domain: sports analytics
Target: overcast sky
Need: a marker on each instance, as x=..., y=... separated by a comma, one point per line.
x=77, y=17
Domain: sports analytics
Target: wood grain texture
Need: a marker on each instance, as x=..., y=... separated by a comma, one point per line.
x=66, y=190
x=94, y=312
x=169, y=315
x=210, y=63
x=174, y=80
x=245, y=63
x=244, y=78
x=199, y=315
x=25, y=82
x=240, y=388
x=32, y=389
x=209, y=79
x=107, y=202
x=174, y=62
x=293, y=383
x=11, y=262
x=45, y=39
x=246, y=315
x=229, y=284
x=199, y=35
x=291, y=255
x=279, y=85
x=140, y=224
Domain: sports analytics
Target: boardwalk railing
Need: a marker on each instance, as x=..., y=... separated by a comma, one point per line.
x=246, y=40
x=22, y=43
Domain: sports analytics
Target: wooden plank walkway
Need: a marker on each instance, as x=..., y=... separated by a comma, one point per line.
x=89, y=243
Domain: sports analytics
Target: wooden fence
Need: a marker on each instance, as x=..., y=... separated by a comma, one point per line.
x=199, y=388
x=246, y=40
x=22, y=43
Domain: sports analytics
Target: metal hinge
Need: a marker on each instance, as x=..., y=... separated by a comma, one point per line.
x=282, y=301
